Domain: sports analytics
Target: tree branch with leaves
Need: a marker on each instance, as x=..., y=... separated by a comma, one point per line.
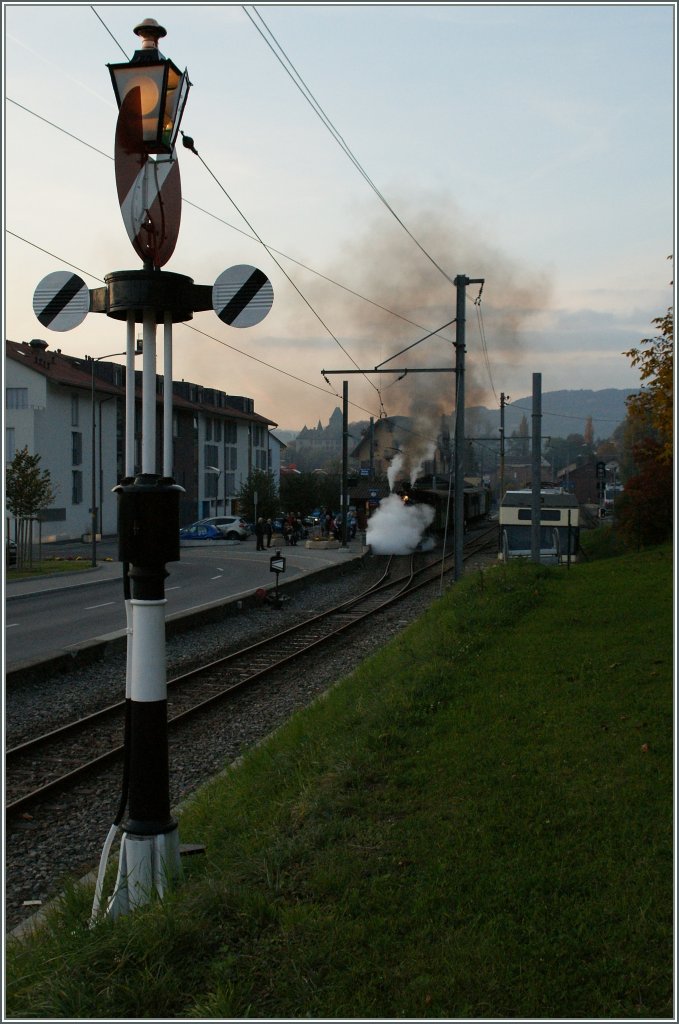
x=654, y=405
x=28, y=490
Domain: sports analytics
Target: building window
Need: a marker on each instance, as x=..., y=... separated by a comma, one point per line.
x=75, y=410
x=10, y=444
x=217, y=428
x=231, y=458
x=230, y=484
x=208, y=429
x=16, y=398
x=76, y=487
x=212, y=455
x=230, y=432
x=76, y=448
x=211, y=481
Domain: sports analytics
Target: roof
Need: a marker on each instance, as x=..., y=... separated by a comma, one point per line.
x=76, y=372
x=552, y=497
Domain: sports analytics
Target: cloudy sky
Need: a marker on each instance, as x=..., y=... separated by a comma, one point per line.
x=528, y=145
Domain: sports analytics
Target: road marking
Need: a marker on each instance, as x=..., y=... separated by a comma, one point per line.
x=93, y=607
x=172, y=588
x=10, y=625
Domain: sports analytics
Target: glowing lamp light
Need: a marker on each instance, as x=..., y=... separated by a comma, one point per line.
x=163, y=87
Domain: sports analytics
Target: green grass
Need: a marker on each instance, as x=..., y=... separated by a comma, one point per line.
x=476, y=823
x=50, y=566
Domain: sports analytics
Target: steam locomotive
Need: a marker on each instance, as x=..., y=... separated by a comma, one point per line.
x=477, y=502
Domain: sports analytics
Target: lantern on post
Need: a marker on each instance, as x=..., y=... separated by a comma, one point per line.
x=163, y=89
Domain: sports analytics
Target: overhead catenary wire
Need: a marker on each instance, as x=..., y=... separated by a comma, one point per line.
x=270, y=249
x=234, y=227
x=189, y=144
x=192, y=327
x=484, y=345
x=316, y=107
x=97, y=15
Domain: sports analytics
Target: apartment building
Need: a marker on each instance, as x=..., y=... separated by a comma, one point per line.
x=71, y=412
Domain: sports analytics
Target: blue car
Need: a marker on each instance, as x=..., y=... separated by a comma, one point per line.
x=200, y=531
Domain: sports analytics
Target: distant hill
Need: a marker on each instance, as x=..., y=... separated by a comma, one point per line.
x=563, y=412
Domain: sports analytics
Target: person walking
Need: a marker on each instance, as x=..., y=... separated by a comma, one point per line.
x=259, y=534
x=268, y=530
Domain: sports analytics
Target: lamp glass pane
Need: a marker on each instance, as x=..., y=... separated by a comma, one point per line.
x=149, y=79
x=177, y=93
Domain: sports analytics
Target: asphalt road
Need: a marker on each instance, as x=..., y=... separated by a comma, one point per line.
x=48, y=618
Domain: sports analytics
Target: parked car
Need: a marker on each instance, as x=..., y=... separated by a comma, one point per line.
x=201, y=531
x=231, y=527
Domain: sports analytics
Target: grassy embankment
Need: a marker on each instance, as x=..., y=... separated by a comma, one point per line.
x=476, y=823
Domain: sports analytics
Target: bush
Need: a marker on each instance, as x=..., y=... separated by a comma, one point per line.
x=602, y=542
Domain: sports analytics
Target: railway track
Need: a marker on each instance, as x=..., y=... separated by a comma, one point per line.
x=59, y=759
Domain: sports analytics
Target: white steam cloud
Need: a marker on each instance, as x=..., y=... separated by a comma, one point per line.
x=396, y=528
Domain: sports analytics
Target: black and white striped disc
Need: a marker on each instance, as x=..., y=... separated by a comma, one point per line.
x=61, y=301
x=242, y=296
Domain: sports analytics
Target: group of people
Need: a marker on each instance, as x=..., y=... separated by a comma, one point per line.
x=293, y=530
x=331, y=526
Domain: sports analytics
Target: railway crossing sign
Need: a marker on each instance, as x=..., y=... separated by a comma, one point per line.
x=61, y=301
x=242, y=296
x=277, y=563
x=149, y=191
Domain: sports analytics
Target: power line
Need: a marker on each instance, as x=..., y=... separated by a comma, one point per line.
x=233, y=227
x=326, y=120
x=318, y=110
x=48, y=253
x=109, y=32
x=192, y=327
x=484, y=346
x=188, y=143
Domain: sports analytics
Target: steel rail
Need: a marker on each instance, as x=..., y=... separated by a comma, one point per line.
x=347, y=614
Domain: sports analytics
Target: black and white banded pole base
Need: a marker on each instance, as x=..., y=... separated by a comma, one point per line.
x=148, y=531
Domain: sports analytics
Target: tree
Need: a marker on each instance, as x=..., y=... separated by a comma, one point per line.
x=655, y=404
x=27, y=491
x=644, y=510
x=520, y=439
x=299, y=492
x=262, y=484
x=588, y=435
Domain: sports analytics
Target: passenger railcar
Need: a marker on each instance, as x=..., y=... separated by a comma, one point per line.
x=559, y=526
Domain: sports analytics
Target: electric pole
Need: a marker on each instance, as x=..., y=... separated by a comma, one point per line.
x=460, y=282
